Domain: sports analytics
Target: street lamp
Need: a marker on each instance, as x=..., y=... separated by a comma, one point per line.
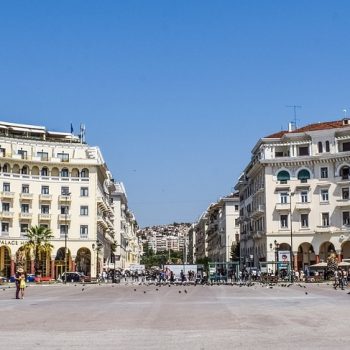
x=96, y=248
x=277, y=245
x=291, y=194
x=65, y=236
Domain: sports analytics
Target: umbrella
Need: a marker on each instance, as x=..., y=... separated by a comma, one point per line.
x=344, y=263
x=321, y=264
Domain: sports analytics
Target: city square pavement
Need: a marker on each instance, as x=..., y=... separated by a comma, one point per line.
x=178, y=317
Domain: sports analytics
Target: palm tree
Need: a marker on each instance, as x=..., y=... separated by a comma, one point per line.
x=39, y=243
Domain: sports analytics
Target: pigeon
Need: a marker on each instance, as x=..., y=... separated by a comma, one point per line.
x=135, y=290
x=306, y=293
x=144, y=292
x=179, y=291
x=185, y=291
x=82, y=290
x=157, y=289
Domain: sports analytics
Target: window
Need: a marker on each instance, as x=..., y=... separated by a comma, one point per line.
x=2, y=152
x=325, y=219
x=45, y=209
x=304, y=219
x=5, y=227
x=303, y=175
x=327, y=146
x=44, y=172
x=324, y=173
x=236, y=222
x=6, y=207
x=44, y=225
x=303, y=197
x=24, y=228
x=84, y=191
x=45, y=190
x=23, y=154
x=236, y=207
x=346, y=218
x=284, y=221
x=24, y=208
x=84, y=231
x=64, y=157
x=320, y=148
x=63, y=230
x=344, y=172
x=84, y=173
x=65, y=191
x=324, y=195
x=6, y=168
x=64, y=209
x=346, y=146
x=304, y=151
x=64, y=172
x=284, y=197
x=25, y=188
x=84, y=210
x=345, y=193
x=43, y=156
x=283, y=176
x=25, y=170
x=6, y=187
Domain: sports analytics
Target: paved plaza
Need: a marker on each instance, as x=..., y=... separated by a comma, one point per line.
x=177, y=317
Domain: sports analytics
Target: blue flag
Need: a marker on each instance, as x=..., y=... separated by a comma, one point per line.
x=71, y=128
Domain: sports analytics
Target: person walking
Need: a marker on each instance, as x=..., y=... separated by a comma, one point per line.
x=22, y=284
x=17, y=282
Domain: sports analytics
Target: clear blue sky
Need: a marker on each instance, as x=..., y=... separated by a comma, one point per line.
x=176, y=93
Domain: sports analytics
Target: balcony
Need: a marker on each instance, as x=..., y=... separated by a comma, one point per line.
x=323, y=229
x=26, y=196
x=259, y=210
x=101, y=222
x=84, y=236
x=343, y=203
x=283, y=206
x=102, y=205
x=7, y=194
x=342, y=180
x=64, y=217
x=303, y=206
x=64, y=198
x=44, y=217
x=6, y=215
x=45, y=197
x=25, y=216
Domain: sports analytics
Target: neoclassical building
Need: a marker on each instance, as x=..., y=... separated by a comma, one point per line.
x=56, y=180
x=294, y=195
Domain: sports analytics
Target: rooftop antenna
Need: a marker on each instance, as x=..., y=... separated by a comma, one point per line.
x=294, y=122
x=345, y=111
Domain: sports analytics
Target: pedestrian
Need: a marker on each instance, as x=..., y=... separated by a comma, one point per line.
x=17, y=282
x=22, y=284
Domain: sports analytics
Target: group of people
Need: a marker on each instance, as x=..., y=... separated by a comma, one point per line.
x=20, y=281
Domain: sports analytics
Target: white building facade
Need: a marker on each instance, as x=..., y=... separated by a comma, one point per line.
x=56, y=180
x=294, y=196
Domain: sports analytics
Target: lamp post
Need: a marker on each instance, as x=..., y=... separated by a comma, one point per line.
x=65, y=237
x=291, y=194
x=277, y=245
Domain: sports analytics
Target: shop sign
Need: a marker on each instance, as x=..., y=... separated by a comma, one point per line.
x=11, y=242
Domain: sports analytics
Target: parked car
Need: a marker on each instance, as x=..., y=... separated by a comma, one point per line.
x=30, y=278
x=3, y=279
x=72, y=277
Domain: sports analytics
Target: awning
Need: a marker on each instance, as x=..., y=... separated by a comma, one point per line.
x=321, y=264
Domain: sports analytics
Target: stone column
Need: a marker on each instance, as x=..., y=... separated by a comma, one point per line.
x=295, y=260
x=73, y=265
x=32, y=266
x=53, y=268
x=317, y=259
x=339, y=257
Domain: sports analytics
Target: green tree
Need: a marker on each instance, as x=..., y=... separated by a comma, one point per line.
x=38, y=243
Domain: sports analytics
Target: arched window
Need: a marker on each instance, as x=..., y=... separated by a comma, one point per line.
x=344, y=172
x=320, y=148
x=303, y=175
x=327, y=146
x=84, y=173
x=25, y=170
x=283, y=176
x=64, y=172
x=44, y=172
x=6, y=168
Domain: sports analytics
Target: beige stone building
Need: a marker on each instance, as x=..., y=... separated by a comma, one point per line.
x=294, y=195
x=56, y=180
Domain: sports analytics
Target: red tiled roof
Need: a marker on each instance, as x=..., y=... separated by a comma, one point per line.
x=311, y=127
